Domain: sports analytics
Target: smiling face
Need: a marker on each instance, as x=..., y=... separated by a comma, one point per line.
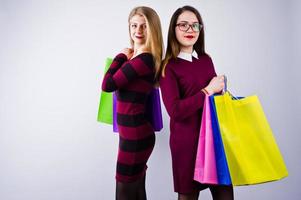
x=138, y=29
x=187, y=30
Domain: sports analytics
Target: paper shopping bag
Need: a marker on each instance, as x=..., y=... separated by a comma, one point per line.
x=153, y=110
x=251, y=150
x=115, y=127
x=105, y=107
x=223, y=173
x=205, y=165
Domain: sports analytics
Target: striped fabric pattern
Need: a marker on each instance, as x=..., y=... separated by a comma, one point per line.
x=133, y=81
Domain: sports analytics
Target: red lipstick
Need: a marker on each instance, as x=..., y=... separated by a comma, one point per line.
x=189, y=36
x=139, y=37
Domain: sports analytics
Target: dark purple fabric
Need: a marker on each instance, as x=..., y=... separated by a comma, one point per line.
x=115, y=127
x=153, y=110
x=181, y=93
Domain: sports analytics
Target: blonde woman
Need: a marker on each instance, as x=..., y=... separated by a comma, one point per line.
x=133, y=75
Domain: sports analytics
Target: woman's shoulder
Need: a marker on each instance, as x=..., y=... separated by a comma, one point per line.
x=145, y=57
x=172, y=66
x=205, y=56
x=172, y=63
x=145, y=54
x=205, y=59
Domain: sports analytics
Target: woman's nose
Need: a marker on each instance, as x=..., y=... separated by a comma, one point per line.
x=140, y=29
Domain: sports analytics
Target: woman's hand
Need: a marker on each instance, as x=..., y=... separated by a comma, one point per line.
x=216, y=85
x=128, y=52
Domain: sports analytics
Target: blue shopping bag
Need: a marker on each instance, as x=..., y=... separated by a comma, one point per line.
x=221, y=161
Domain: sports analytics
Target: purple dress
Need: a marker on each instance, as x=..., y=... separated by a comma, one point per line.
x=183, y=99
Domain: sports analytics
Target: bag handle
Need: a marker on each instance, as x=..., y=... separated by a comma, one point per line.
x=226, y=88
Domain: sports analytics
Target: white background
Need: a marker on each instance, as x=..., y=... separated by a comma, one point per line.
x=51, y=67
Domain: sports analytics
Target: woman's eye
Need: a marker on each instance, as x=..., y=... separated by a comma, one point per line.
x=184, y=25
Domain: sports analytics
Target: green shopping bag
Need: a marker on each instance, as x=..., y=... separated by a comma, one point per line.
x=251, y=150
x=105, y=110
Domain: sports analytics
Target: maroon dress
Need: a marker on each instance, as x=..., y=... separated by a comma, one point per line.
x=133, y=80
x=183, y=99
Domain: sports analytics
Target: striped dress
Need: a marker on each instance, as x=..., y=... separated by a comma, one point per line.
x=133, y=80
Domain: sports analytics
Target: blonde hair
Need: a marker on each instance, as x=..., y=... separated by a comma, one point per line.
x=154, y=40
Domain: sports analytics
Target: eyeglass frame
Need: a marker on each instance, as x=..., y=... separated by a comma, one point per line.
x=190, y=26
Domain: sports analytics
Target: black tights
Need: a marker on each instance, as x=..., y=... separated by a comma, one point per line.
x=131, y=191
x=217, y=192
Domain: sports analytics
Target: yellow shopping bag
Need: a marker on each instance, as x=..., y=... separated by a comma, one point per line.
x=251, y=150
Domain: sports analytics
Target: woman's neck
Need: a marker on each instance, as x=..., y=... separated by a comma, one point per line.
x=187, y=49
x=138, y=48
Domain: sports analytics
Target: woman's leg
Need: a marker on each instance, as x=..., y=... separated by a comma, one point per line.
x=141, y=195
x=131, y=191
x=192, y=196
x=126, y=191
x=221, y=192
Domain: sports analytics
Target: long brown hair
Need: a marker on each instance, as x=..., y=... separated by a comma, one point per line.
x=154, y=40
x=173, y=46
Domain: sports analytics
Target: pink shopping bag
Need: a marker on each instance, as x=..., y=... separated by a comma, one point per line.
x=205, y=165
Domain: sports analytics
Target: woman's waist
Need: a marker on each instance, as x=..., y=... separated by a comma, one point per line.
x=130, y=108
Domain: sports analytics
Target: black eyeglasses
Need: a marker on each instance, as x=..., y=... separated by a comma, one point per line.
x=196, y=27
